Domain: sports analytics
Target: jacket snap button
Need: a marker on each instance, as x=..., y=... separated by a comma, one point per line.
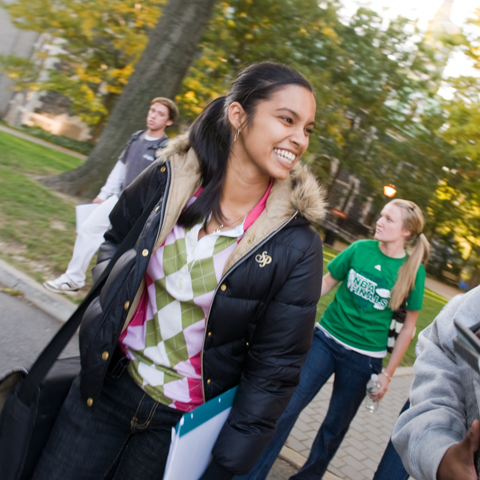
x=89, y=402
x=126, y=305
x=145, y=252
x=247, y=344
x=209, y=334
x=208, y=381
x=105, y=355
x=223, y=287
x=249, y=240
x=162, y=169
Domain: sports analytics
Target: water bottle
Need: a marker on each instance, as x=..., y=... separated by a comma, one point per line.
x=372, y=387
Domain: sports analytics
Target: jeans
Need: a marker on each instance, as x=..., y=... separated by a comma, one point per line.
x=391, y=466
x=352, y=371
x=126, y=436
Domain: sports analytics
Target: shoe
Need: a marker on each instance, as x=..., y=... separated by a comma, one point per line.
x=61, y=284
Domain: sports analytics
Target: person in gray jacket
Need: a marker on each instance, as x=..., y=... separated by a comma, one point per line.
x=438, y=437
x=137, y=155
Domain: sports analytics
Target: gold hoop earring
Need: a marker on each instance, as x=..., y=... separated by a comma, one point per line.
x=235, y=138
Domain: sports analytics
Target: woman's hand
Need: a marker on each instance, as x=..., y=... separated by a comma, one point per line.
x=401, y=345
x=384, y=382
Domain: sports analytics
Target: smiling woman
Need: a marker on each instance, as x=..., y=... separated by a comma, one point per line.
x=221, y=290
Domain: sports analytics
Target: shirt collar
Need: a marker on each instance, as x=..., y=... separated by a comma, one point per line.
x=249, y=219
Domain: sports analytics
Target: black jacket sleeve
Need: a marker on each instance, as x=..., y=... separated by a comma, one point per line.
x=271, y=372
x=127, y=210
x=215, y=471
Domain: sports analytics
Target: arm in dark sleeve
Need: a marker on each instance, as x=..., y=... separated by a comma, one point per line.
x=127, y=210
x=271, y=372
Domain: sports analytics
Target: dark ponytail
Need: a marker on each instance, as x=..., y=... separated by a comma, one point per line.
x=211, y=133
x=210, y=136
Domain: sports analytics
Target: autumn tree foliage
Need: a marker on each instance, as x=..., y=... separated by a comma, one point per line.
x=88, y=50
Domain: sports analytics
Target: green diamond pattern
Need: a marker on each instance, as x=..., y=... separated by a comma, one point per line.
x=174, y=256
x=203, y=277
x=152, y=333
x=191, y=314
x=222, y=243
x=176, y=348
x=162, y=296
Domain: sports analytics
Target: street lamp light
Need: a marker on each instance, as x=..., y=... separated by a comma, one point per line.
x=389, y=190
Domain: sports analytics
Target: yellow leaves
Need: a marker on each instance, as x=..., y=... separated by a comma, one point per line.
x=231, y=23
x=190, y=94
x=114, y=89
x=248, y=36
x=329, y=32
x=121, y=76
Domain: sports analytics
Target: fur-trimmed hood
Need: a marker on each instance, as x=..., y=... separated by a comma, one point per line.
x=307, y=196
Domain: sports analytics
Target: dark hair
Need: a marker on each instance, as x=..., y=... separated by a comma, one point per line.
x=211, y=133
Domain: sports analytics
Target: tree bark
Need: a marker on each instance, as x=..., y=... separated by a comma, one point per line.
x=159, y=72
x=97, y=130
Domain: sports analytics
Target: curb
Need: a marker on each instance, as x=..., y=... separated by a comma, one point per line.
x=297, y=460
x=53, y=304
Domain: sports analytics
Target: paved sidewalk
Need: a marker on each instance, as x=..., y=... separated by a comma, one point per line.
x=363, y=446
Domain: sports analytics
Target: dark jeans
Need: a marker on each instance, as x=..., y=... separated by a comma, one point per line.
x=352, y=372
x=391, y=466
x=127, y=435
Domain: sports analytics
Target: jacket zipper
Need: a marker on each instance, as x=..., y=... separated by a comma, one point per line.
x=248, y=255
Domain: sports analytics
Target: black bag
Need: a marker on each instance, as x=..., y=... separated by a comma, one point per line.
x=30, y=402
x=32, y=424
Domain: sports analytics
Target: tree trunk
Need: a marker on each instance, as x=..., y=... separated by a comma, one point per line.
x=97, y=130
x=333, y=181
x=159, y=72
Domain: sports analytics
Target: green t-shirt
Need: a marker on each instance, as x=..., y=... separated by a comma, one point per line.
x=359, y=315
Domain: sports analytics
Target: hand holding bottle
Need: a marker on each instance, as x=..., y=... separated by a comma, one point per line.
x=373, y=387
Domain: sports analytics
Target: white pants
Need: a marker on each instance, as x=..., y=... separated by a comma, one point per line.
x=89, y=240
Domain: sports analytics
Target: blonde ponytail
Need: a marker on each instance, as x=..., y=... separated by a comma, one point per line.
x=417, y=247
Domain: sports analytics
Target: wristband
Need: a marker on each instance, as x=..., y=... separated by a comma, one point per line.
x=387, y=375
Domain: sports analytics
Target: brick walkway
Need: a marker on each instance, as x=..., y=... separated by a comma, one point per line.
x=363, y=447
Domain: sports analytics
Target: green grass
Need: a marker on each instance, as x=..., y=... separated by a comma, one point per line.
x=60, y=140
x=432, y=304
x=37, y=227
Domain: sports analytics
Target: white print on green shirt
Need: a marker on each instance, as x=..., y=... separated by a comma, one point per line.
x=366, y=289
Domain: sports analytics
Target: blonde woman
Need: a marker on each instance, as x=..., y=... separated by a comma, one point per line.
x=352, y=336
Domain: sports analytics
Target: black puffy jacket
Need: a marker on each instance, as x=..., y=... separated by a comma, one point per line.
x=261, y=320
